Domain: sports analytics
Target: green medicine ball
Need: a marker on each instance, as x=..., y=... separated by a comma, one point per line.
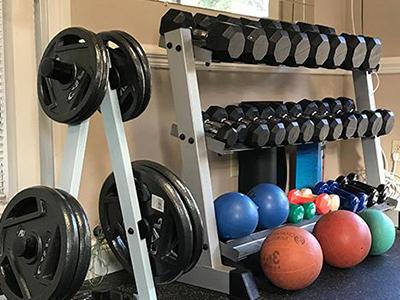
x=382, y=230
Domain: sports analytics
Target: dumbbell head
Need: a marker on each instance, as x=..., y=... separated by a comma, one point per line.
x=226, y=40
x=335, y=105
x=374, y=53
x=335, y=123
x=256, y=44
x=349, y=120
x=219, y=114
x=319, y=43
x=227, y=134
x=300, y=45
x=293, y=130
x=175, y=19
x=338, y=47
x=307, y=126
x=279, y=42
x=375, y=123
x=356, y=51
x=388, y=121
x=347, y=104
x=277, y=129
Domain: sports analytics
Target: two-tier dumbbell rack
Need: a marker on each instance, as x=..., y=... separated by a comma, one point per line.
x=210, y=272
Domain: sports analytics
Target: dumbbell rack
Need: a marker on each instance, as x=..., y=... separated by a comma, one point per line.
x=210, y=272
x=71, y=173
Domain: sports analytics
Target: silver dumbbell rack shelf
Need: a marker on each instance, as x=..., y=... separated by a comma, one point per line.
x=71, y=173
x=182, y=56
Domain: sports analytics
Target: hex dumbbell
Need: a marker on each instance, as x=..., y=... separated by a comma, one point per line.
x=362, y=119
x=320, y=47
x=279, y=42
x=276, y=128
x=338, y=49
x=256, y=45
x=321, y=126
x=219, y=114
x=356, y=51
x=375, y=123
x=258, y=133
x=320, y=110
x=388, y=119
x=300, y=46
x=374, y=53
x=349, y=120
x=225, y=40
x=219, y=131
x=307, y=126
x=292, y=127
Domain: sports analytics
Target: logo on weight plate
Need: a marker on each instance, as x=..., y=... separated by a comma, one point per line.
x=299, y=240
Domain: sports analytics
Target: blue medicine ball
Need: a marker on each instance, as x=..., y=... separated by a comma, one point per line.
x=273, y=204
x=236, y=214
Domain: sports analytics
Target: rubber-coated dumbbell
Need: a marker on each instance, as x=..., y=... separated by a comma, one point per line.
x=320, y=47
x=279, y=42
x=219, y=114
x=375, y=123
x=349, y=120
x=382, y=189
x=348, y=201
x=256, y=45
x=374, y=53
x=258, y=133
x=307, y=126
x=338, y=49
x=321, y=126
x=296, y=213
x=321, y=201
x=309, y=210
x=319, y=109
x=388, y=121
x=345, y=184
x=219, y=131
x=276, y=128
x=225, y=40
x=356, y=51
x=300, y=44
x=362, y=119
x=267, y=112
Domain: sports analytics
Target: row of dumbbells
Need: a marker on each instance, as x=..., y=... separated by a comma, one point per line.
x=276, y=42
x=354, y=194
x=259, y=124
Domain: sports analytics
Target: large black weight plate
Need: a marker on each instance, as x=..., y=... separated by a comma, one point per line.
x=39, y=245
x=83, y=263
x=72, y=77
x=169, y=232
x=127, y=74
x=137, y=48
x=190, y=204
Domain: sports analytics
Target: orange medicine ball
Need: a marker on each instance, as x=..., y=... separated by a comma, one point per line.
x=291, y=258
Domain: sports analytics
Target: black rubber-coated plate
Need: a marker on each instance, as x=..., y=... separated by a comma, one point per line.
x=168, y=232
x=190, y=203
x=39, y=245
x=146, y=68
x=84, y=243
x=127, y=74
x=73, y=75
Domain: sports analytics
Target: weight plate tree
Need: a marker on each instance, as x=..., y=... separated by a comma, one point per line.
x=73, y=75
x=130, y=73
x=45, y=244
x=167, y=223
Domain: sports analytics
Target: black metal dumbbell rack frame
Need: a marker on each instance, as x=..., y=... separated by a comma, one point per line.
x=71, y=173
x=182, y=54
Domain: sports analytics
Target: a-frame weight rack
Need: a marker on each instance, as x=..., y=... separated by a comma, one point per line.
x=210, y=272
x=71, y=173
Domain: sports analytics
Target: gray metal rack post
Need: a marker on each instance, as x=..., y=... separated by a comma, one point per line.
x=71, y=172
x=210, y=272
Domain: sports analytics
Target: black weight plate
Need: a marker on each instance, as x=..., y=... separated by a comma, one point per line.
x=126, y=63
x=39, y=245
x=78, y=59
x=83, y=263
x=190, y=204
x=170, y=238
x=146, y=68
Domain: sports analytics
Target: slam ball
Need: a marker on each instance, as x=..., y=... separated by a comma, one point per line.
x=273, y=205
x=236, y=215
x=382, y=230
x=291, y=258
x=344, y=237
